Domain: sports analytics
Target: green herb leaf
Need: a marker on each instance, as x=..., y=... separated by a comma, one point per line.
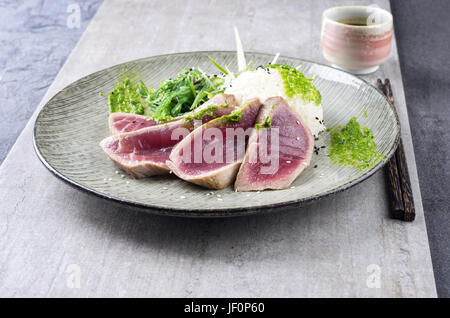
x=233, y=117
x=266, y=124
x=218, y=66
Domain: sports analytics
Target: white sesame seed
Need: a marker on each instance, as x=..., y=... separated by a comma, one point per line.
x=219, y=199
x=128, y=182
x=298, y=122
x=109, y=179
x=218, y=195
x=182, y=197
x=298, y=138
x=258, y=192
x=170, y=172
x=293, y=187
x=104, y=179
x=164, y=188
x=288, y=161
x=122, y=176
x=248, y=195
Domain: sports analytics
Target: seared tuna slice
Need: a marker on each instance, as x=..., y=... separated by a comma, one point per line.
x=144, y=152
x=278, y=151
x=211, y=155
x=124, y=122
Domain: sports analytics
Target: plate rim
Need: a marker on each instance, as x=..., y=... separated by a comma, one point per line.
x=217, y=212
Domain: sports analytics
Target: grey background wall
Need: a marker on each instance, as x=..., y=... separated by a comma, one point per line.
x=423, y=30
x=35, y=40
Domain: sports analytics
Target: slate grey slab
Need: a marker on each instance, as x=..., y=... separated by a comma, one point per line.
x=60, y=242
x=35, y=42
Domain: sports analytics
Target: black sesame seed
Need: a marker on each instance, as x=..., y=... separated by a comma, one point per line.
x=315, y=166
x=317, y=118
x=323, y=147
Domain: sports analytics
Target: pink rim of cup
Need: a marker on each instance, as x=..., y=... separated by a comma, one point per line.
x=356, y=39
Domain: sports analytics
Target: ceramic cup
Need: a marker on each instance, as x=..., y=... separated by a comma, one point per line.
x=356, y=39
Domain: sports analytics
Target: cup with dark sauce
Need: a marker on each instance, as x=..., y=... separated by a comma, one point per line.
x=356, y=39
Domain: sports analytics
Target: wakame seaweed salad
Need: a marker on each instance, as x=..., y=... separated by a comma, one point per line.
x=174, y=97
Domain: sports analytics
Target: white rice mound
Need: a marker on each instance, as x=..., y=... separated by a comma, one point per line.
x=262, y=84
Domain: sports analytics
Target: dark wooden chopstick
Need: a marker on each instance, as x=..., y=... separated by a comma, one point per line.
x=399, y=184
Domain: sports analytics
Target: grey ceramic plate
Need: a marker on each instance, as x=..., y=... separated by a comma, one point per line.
x=71, y=125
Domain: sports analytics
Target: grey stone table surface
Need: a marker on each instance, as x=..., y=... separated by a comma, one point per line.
x=37, y=263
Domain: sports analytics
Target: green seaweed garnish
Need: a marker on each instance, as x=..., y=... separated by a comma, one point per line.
x=127, y=97
x=266, y=124
x=225, y=70
x=174, y=97
x=233, y=117
x=208, y=111
x=218, y=66
x=295, y=83
x=354, y=146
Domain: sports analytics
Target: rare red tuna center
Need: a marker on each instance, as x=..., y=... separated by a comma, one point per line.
x=125, y=122
x=211, y=155
x=289, y=154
